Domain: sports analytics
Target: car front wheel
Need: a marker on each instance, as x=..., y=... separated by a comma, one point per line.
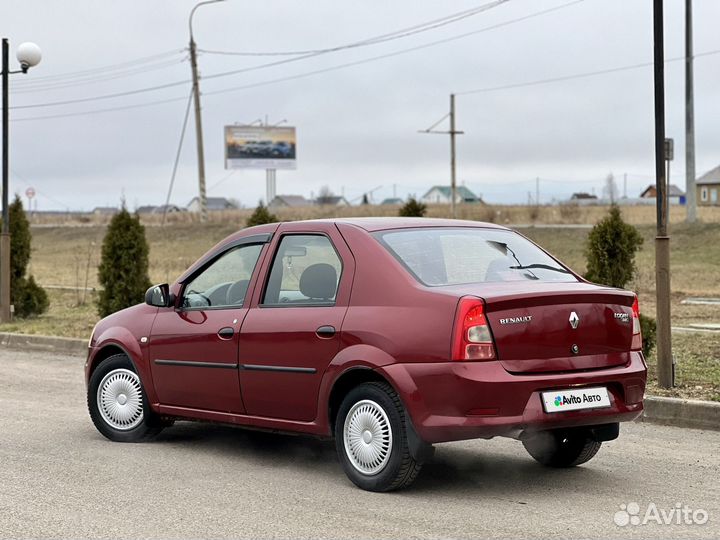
x=371, y=439
x=562, y=448
x=117, y=402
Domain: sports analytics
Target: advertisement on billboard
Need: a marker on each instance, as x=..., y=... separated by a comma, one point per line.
x=259, y=147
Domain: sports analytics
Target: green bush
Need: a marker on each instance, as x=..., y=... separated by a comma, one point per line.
x=261, y=216
x=26, y=295
x=30, y=298
x=413, y=208
x=123, y=270
x=610, y=250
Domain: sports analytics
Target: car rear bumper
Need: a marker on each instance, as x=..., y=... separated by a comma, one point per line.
x=467, y=400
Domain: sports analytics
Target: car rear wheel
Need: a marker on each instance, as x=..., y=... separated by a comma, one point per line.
x=117, y=402
x=371, y=439
x=562, y=448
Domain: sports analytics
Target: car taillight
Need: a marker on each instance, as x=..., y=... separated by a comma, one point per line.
x=636, y=343
x=472, y=339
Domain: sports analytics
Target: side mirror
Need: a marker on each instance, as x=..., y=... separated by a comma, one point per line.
x=159, y=296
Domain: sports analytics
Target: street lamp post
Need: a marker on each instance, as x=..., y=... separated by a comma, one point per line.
x=28, y=55
x=202, y=194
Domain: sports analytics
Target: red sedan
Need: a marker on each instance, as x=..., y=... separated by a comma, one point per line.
x=388, y=334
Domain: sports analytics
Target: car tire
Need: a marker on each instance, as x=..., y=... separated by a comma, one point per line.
x=371, y=439
x=118, y=404
x=562, y=448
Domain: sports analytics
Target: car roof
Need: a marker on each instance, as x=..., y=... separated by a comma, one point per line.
x=369, y=224
x=372, y=224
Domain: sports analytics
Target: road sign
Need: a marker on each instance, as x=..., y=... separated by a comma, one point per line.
x=30, y=192
x=669, y=149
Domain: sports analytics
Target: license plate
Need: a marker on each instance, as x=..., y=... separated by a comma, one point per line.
x=573, y=400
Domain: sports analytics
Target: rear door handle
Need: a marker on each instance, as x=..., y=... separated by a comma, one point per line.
x=325, y=332
x=226, y=333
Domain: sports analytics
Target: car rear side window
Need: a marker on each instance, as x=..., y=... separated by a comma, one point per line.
x=305, y=271
x=450, y=256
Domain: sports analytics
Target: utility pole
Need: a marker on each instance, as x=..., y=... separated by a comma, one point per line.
x=537, y=191
x=5, y=236
x=202, y=194
x=662, y=240
x=453, y=183
x=625, y=186
x=690, y=190
x=452, y=133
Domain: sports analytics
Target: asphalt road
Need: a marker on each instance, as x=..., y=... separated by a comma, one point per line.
x=60, y=478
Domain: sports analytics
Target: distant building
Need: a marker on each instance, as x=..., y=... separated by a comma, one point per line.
x=169, y=209
x=443, y=195
x=105, y=210
x=393, y=200
x=582, y=196
x=675, y=194
x=213, y=204
x=332, y=200
x=708, y=187
x=290, y=201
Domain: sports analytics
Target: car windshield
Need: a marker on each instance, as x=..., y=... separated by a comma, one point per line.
x=450, y=256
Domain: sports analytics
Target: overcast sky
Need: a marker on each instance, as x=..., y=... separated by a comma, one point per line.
x=357, y=126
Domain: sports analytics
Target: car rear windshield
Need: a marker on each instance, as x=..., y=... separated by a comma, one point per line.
x=450, y=256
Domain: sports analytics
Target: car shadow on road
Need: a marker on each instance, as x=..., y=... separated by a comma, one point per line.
x=505, y=472
x=513, y=476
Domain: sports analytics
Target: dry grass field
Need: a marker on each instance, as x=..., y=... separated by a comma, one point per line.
x=67, y=254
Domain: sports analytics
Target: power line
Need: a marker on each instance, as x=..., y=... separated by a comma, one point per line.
x=405, y=32
x=262, y=66
x=370, y=41
x=386, y=55
x=105, y=96
x=332, y=68
x=100, y=69
x=177, y=157
x=216, y=184
x=99, y=111
x=578, y=75
x=44, y=87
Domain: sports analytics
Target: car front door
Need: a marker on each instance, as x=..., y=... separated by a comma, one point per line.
x=194, y=345
x=292, y=330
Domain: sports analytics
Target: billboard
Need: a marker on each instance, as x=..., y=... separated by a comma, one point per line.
x=259, y=147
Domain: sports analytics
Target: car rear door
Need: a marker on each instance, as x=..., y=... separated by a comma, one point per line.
x=292, y=330
x=193, y=349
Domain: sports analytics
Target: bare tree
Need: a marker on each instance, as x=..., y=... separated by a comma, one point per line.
x=610, y=190
x=325, y=195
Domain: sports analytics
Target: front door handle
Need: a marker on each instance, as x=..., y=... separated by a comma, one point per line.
x=325, y=332
x=226, y=333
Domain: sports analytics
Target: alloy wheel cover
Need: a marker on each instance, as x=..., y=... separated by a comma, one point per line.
x=368, y=437
x=119, y=399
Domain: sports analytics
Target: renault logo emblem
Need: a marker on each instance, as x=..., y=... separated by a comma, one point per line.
x=574, y=320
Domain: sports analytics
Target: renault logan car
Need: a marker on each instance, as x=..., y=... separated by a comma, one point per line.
x=388, y=334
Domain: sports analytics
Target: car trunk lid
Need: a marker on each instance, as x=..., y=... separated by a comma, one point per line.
x=546, y=327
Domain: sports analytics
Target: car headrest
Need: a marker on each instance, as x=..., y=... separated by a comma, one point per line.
x=319, y=281
x=236, y=292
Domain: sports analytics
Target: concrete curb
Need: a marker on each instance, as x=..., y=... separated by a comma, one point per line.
x=659, y=410
x=688, y=413
x=58, y=345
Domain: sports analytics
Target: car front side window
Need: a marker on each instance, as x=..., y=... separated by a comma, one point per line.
x=224, y=283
